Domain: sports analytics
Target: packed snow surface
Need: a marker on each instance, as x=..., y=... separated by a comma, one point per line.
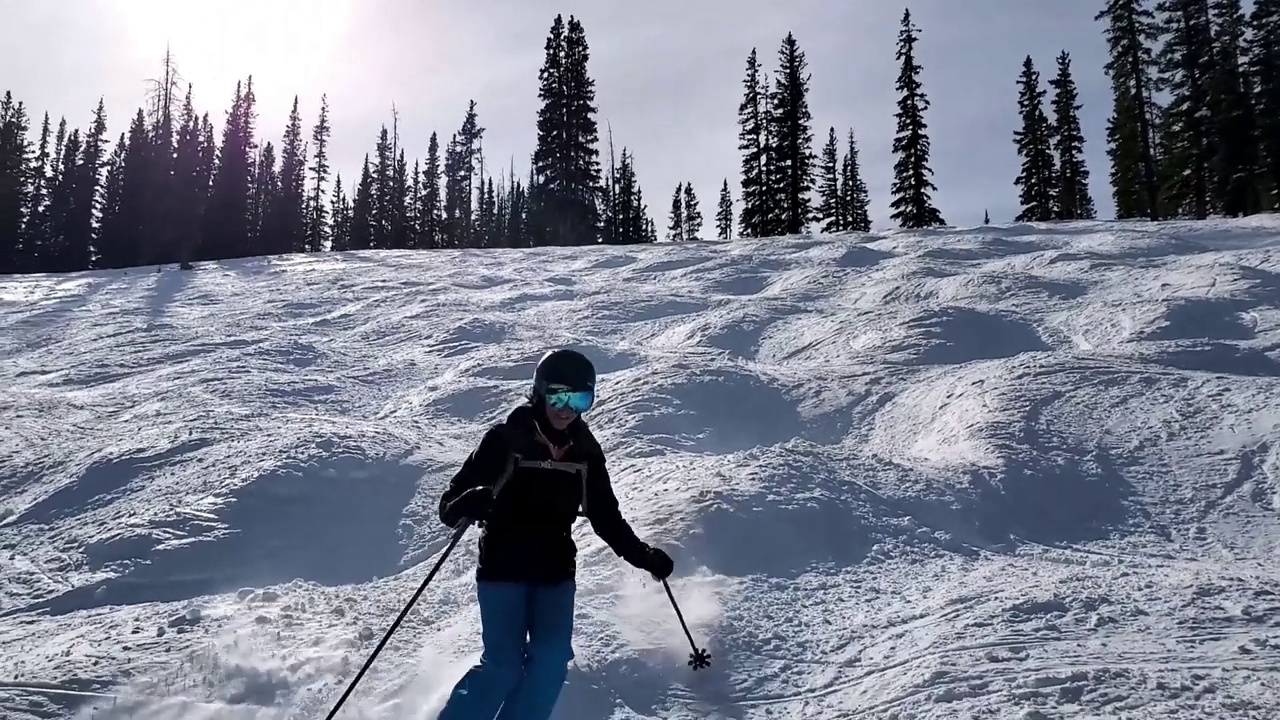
x=1024, y=471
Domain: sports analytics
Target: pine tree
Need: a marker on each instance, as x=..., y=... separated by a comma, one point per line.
x=502, y=210
x=451, y=230
x=112, y=229
x=15, y=181
x=39, y=252
x=609, y=229
x=912, y=184
x=724, y=213
x=675, y=221
x=228, y=220
x=467, y=152
x=751, y=139
x=126, y=233
x=206, y=168
x=1263, y=50
x=482, y=224
x=318, y=234
x=566, y=183
x=622, y=209
x=854, y=196
x=59, y=254
x=1131, y=146
x=1074, y=202
x=401, y=225
x=583, y=136
x=774, y=175
x=35, y=232
x=1234, y=168
x=432, y=209
x=630, y=212
x=634, y=220
x=414, y=207
x=692, y=224
x=792, y=136
x=548, y=174
x=191, y=177
x=109, y=229
x=1187, y=69
x=380, y=200
x=831, y=209
x=78, y=236
x=288, y=224
x=397, y=212
x=494, y=236
x=340, y=211
x=360, y=232
x=515, y=218
x=1038, y=178
x=264, y=208
x=59, y=142
x=163, y=203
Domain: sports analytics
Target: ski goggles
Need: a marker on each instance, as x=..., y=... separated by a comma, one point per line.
x=578, y=401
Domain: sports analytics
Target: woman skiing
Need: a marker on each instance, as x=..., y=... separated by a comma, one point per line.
x=525, y=482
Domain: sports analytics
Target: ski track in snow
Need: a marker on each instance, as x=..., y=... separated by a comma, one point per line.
x=1026, y=471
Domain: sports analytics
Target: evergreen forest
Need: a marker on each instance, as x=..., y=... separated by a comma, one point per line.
x=1193, y=131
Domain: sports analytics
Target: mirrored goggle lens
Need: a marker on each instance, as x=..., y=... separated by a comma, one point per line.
x=578, y=401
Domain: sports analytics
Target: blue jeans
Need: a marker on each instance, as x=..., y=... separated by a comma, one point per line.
x=517, y=678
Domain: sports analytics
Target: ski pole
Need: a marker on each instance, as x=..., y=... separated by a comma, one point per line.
x=699, y=658
x=457, y=535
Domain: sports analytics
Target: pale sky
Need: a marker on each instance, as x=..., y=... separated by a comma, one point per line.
x=668, y=76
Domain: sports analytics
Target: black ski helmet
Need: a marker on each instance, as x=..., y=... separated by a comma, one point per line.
x=564, y=367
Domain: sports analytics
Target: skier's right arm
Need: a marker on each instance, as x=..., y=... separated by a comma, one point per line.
x=476, y=478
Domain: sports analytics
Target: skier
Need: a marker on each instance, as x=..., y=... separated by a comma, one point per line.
x=525, y=482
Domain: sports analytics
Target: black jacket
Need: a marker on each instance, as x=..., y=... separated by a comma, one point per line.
x=527, y=537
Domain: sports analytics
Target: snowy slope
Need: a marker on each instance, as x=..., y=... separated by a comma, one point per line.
x=1006, y=472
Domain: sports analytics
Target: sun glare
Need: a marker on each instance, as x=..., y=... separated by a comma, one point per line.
x=217, y=42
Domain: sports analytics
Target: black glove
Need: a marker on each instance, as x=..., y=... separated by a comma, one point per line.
x=474, y=503
x=655, y=562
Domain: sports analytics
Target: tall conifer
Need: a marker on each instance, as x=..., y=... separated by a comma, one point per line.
x=913, y=185
x=1038, y=179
